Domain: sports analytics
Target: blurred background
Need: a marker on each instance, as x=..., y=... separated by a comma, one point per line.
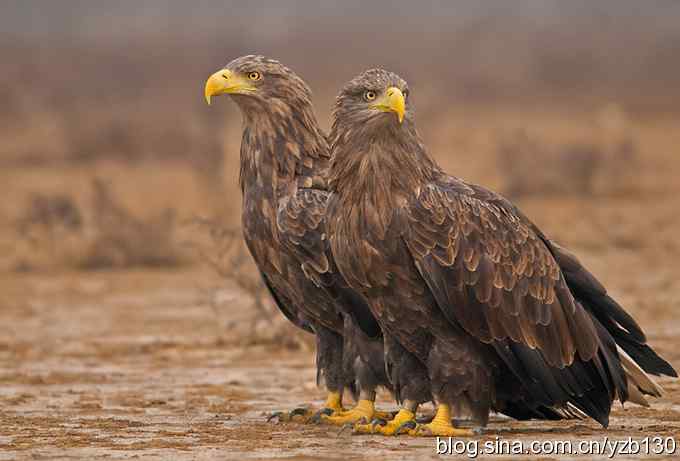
x=111, y=159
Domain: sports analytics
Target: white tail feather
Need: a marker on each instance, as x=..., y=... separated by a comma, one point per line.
x=637, y=377
x=635, y=396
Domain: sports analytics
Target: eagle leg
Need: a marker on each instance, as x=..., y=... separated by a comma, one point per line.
x=440, y=426
x=402, y=419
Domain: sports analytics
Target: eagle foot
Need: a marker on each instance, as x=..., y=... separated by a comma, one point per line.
x=440, y=426
x=307, y=415
x=317, y=417
x=405, y=427
x=384, y=415
x=379, y=421
x=425, y=419
x=363, y=410
x=402, y=419
x=300, y=414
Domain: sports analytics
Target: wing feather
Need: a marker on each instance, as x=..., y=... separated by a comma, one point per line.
x=301, y=224
x=457, y=239
x=493, y=275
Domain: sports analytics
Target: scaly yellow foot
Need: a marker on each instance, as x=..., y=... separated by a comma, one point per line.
x=384, y=415
x=402, y=422
x=306, y=415
x=440, y=426
x=363, y=411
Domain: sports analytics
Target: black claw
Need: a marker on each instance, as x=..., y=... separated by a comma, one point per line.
x=283, y=416
x=326, y=411
x=425, y=419
x=377, y=422
x=298, y=412
x=345, y=427
x=405, y=426
x=316, y=417
x=276, y=414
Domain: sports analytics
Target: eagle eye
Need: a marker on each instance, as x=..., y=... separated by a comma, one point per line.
x=369, y=95
x=405, y=93
x=254, y=75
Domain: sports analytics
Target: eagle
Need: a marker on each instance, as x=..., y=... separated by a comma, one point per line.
x=283, y=167
x=472, y=298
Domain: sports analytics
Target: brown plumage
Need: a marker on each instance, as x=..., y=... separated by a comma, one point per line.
x=284, y=160
x=499, y=316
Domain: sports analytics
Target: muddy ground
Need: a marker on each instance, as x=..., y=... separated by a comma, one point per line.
x=153, y=365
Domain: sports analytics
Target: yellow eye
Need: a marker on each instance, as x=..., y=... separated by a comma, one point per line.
x=369, y=95
x=405, y=93
x=254, y=75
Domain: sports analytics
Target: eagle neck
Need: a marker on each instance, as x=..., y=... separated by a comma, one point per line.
x=281, y=150
x=379, y=168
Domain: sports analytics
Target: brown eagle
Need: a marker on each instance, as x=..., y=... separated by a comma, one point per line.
x=494, y=315
x=284, y=160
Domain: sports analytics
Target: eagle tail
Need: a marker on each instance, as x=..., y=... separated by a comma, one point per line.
x=581, y=388
x=620, y=324
x=627, y=334
x=639, y=382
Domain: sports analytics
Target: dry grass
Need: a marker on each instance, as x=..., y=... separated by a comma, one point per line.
x=61, y=235
x=124, y=240
x=228, y=256
x=224, y=251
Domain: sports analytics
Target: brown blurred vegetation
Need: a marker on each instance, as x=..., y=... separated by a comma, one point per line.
x=110, y=158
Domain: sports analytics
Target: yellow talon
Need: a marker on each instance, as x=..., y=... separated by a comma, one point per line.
x=364, y=409
x=334, y=401
x=404, y=417
x=440, y=426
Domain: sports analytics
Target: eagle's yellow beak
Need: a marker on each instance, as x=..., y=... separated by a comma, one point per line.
x=226, y=81
x=393, y=101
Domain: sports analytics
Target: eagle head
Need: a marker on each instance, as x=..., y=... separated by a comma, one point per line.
x=257, y=81
x=376, y=95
